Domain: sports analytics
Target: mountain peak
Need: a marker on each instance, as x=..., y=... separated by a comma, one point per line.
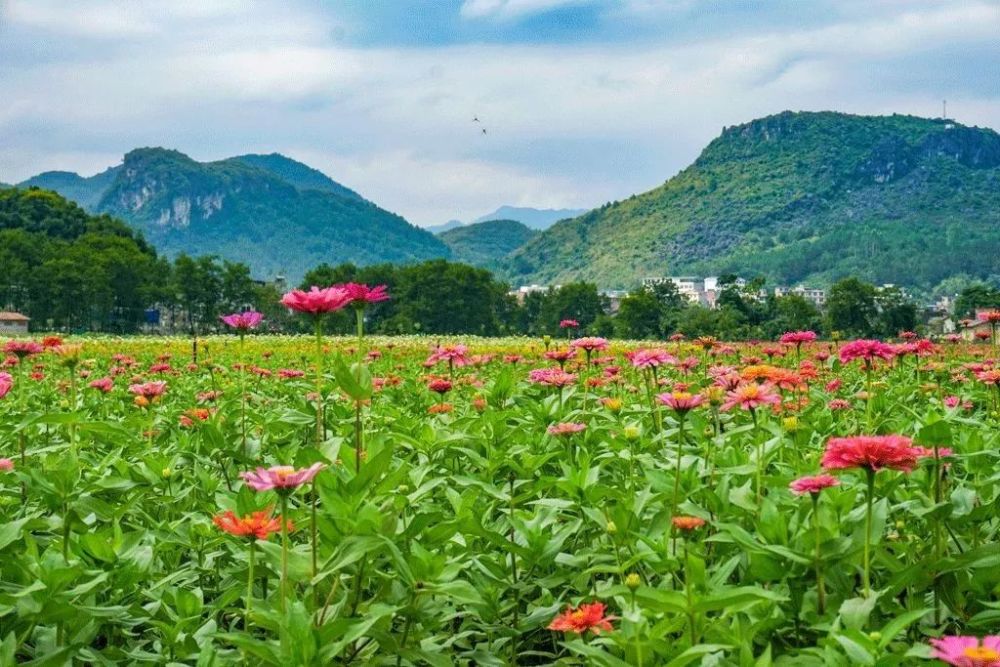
x=300, y=175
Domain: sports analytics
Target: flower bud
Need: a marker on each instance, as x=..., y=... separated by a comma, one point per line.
x=631, y=432
x=611, y=528
x=167, y=473
x=633, y=581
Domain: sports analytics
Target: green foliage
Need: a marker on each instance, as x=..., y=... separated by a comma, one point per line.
x=798, y=197
x=977, y=295
x=486, y=243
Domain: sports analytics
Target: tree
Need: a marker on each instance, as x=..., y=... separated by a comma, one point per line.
x=895, y=311
x=851, y=308
x=578, y=301
x=978, y=295
x=639, y=315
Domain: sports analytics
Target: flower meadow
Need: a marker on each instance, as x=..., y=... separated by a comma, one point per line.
x=321, y=499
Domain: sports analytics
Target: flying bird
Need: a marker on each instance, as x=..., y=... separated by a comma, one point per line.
x=484, y=130
x=475, y=119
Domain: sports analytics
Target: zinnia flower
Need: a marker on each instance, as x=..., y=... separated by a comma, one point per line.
x=453, y=354
x=551, y=377
x=362, y=294
x=258, y=525
x=968, y=651
x=567, y=428
x=814, y=484
x=104, y=384
x=149, y=390
x=568, y=324
x=750, y=396
x=873, y=452
x=590, y=344
x=797, y=337
x=866, y=350
x=681, y=401
x=687, y=523
x=6, y=465
x=6, y=383
x=316, y=301
x=652, y=358
x=585, y=617
x=245, y=321
x=439, y=385
x=991, y=316
x=22, y=348
x=280, y=477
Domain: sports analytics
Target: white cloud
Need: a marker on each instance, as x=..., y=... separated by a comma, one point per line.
x=508, y=9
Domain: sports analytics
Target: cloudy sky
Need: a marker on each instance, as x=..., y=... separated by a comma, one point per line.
x=584, y=101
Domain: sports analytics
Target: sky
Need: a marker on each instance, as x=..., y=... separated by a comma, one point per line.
x=584, y=101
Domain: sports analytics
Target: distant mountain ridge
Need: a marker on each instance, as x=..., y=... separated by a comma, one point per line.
x=277, y=215
x=532, y=218
x=798, y=197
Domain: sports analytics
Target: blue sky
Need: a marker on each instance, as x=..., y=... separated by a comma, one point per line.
x=584, y=101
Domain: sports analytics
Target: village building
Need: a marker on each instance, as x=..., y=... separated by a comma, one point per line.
x=12, y=323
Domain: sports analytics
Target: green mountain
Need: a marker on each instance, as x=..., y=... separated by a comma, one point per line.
x=485, y=243
x=274, y=214
x=798, y=197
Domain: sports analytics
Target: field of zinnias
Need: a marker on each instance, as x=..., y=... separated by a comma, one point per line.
x=414, y=501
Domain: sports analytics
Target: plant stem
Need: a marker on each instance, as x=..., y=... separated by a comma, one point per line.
x=284, y=549
x=868, y=531
x=249, y=605
x=319, y=381
x=820, y=586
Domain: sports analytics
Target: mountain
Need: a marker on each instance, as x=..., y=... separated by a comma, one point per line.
x=533, y=218
x=451, y=224
x=798, y=197
x=485, y=243
x=276, y=215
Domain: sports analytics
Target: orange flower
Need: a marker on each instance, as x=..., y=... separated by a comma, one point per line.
x=687, y=523
x=585, y=617
x=258, y=525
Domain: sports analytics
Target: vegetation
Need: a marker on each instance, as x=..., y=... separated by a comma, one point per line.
x=275, y=215
x=798, y=197
x=486, y=243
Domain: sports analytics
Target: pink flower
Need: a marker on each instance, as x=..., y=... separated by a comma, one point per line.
x=590, y=344
x=652, y=358
x=872, y=452
x=750, y=395
x=289, y=373
x=280, y=477
x=104, y=384
x=317, y=301
x=149, y=390
x=245, y=321
x=453, y=354
x=952, y=401
x=813, y=484
x=867, y=350
x=991, y=316
x=968, y=651
x=439, y=385
x=361, y=294
x=568, y=324
x=6, y=465
x=6, y=383
x=566, y=428
x=23, y=348
x=681, y=401
x=551, y=377
x=798, y=337
x=839, y=404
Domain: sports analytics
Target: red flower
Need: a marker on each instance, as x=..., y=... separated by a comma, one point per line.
x=873, y=452
x=258, y=525
x=868, y=350
x=687, y=523
x=361, y=294
x=814, y=484
x=585, y=617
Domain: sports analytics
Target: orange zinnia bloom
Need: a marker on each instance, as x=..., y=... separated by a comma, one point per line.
x=585, y=617
x=258, y=525
x=687, y=522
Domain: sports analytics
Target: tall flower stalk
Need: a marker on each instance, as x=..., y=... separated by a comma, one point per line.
x=242, y=323
x=813, y=486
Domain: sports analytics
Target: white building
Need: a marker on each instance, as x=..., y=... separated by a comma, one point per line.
x=815, y=296
x=13, y=323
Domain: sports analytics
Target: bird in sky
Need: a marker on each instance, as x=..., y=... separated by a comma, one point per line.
x=475, y=119
x=484, y=130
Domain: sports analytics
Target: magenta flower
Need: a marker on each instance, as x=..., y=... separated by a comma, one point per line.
x=798, y=337
x=652, y=358
x=104, y=384
x=867, y=350
x=250, y=319
x=551, y=377
x=149, y=390
x=362, y=294
x=568, y=324
x=6, y=465
x=280, y=477
x=6, y=383
x=23, y=348
x=566, y=428
x=968, y=651
x=590, y=344
x=681, y=401
x=317, y=301
x=453, y=354
x=814, y=484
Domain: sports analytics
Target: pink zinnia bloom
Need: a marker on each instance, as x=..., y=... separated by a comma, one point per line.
x=867, y=350
x=928, y=452
x=439, y=385
x=245, y=321
x=961, y=651
x=280, y=477
x=750, y=395
x=104, y=384
x=952, y=401
x=839, y=404
x=289, y=373
x=568, y=324
x=681, y=401
x=652, y=358
x=361, y=294
x=6, y=465
x=797, y=337
x=567, y=428
x=872, y=452
x=6, y=383
x=23, y=348
x=813, y=484
x=991, y=316
x=552, y=377
x=453, y=354
x=316, y=301
x=590, y=344
x=149, y=390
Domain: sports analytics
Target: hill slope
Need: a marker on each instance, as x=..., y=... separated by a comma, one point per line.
x=485, y=243
x=274, y=214
x=798, y=197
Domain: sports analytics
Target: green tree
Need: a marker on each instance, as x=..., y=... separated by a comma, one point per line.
x=851, y=308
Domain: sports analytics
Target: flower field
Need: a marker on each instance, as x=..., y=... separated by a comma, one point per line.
x=328, y=500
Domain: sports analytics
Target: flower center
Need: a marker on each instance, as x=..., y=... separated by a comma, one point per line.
x=284, y=471
x=981, y=654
